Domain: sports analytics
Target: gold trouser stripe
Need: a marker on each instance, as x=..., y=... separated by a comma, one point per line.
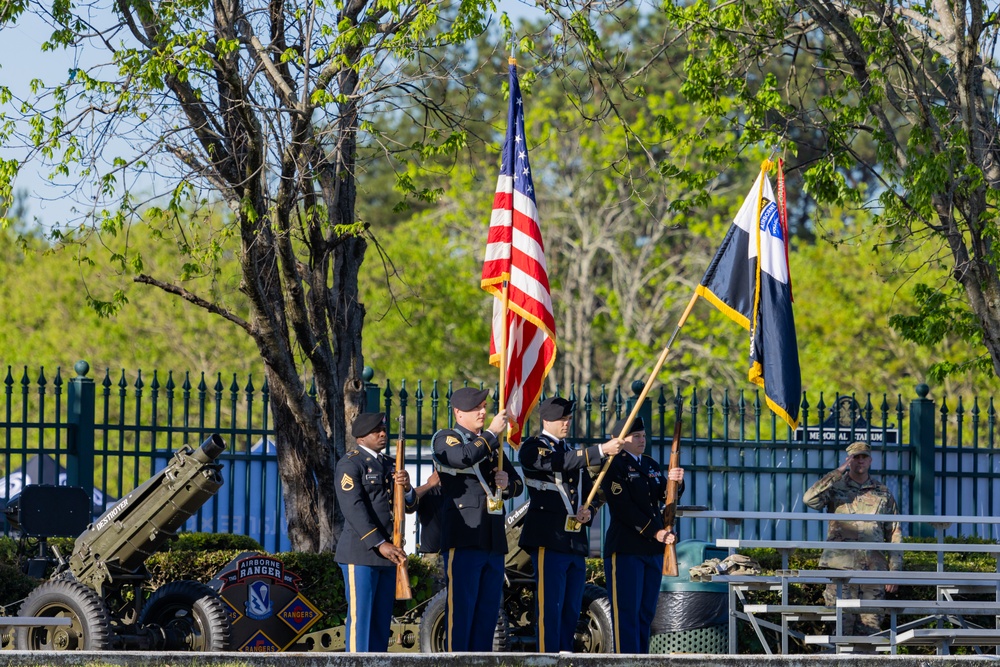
x=541, y=599
x=352, y=605
x=451, y=605
x=614, y=599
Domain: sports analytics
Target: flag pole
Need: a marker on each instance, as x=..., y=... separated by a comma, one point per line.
x=642, y=396
x=505, y=301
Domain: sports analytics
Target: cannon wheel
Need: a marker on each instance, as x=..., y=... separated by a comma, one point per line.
x=433, y=630
x=91, y=623
x=194, y=613
x=594, y=632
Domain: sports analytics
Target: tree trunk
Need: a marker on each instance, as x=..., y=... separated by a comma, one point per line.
x=307, y=479
x=348, y=322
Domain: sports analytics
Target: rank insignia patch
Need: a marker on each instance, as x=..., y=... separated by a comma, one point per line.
x=346, y=482
x=616, y=488
x=451, y=441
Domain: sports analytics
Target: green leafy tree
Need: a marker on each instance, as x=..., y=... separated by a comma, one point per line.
x=257, y=106
x=625, y=246
x=847, y=289
x=46, y=323
x=891, y=107
x=427, y=318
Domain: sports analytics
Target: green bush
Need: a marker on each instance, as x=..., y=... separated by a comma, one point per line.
x=167, y=566
x=321, y=582
x=213, y=542
x=425, y=575
x=14, y=586
x=595, y=571
x=10, y=556
x=65, y=545
x=8, y=549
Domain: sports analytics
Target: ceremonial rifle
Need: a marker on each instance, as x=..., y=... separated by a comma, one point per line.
x=403, y=591
x=670, y=509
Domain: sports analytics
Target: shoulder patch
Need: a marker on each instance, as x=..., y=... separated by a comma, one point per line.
x=354, y=452
x=346, y=482
x=616, y=488
x=451, y=441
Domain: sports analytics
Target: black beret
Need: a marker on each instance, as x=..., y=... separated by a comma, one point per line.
x=468, y=398
x=367, y=422
x=552, y=409
x=636, y=426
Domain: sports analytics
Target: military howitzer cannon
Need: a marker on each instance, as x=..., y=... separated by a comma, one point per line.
x=98, y=589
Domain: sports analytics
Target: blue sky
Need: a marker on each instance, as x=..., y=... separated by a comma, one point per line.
x=21, y=61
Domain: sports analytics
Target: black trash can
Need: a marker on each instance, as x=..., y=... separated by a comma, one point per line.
x=691, y=616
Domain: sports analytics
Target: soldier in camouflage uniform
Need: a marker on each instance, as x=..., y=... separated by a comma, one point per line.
x=851, y=490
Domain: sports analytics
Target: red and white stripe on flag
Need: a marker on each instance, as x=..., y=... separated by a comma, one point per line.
x=515, y=253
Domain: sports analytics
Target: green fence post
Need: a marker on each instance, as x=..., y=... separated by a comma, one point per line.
x=922, y=438
x=372, y=394
x=80, y=431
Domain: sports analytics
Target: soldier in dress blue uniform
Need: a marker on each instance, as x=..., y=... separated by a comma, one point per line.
x=553, y=532
x=635, y=489
x=473, y=538
x=366, y=481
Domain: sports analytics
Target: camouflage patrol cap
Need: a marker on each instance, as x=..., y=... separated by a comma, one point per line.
x=859, y=447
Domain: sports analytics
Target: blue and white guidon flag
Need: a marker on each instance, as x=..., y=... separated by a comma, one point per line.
x=748, y=280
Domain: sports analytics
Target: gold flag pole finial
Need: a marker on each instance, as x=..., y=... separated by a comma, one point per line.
x=767, y=164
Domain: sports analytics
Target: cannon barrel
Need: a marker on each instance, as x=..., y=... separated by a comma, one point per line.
x=113, y=550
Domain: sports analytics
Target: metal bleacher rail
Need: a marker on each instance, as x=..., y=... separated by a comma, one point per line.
x=947, y=584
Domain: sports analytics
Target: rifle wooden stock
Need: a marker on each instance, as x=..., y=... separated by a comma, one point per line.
x=670, y=509
x=403, y=591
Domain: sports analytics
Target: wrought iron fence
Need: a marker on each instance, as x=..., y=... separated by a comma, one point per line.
x=937, y=458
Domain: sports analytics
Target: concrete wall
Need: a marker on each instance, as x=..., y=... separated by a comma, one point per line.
x=135, y=659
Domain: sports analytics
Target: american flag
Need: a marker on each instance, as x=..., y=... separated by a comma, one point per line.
x=515, y=253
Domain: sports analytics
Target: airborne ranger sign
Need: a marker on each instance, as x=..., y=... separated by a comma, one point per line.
x=265, y=607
